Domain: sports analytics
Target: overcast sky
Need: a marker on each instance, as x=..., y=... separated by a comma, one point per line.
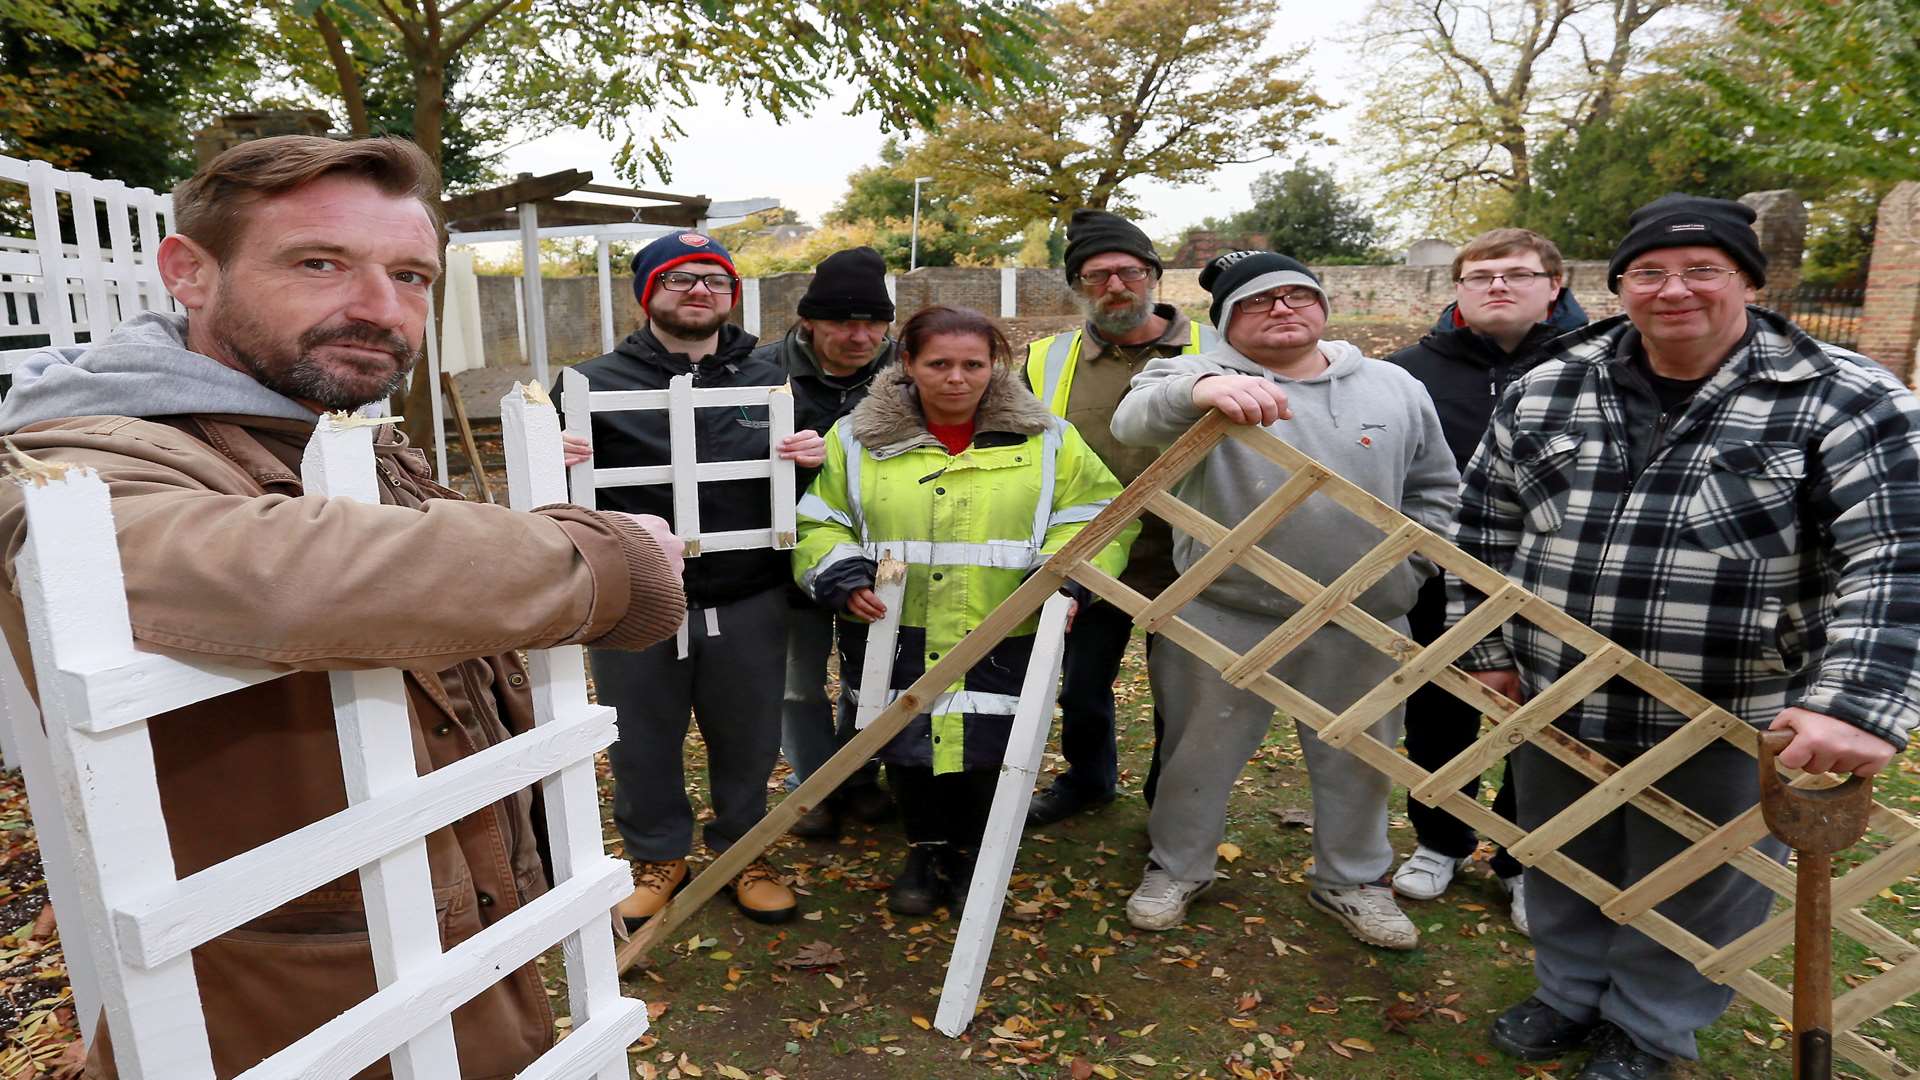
x=805, y=162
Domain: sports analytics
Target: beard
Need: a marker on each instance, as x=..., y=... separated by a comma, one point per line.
x=294, y=370
x=1113, y=320
x=688, y=324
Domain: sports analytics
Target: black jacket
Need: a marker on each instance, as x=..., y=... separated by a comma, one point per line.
x=819, y=399
x=628, y=439
x=1465, y=372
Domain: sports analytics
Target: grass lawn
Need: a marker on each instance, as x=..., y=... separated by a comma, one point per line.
x=1255, y=981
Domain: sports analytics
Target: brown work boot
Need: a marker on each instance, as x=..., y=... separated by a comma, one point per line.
x=654, y=883
x=762, y=896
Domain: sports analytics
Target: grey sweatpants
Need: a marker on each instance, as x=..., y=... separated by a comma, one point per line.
x=812, y=728
x=1212, y=728
x=730, y=683
x=1590, y=968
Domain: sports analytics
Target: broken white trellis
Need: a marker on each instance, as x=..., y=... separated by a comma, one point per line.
x=98, y=692
x=684, y=471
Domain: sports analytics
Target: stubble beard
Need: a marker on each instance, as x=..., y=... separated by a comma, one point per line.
x=298, y=373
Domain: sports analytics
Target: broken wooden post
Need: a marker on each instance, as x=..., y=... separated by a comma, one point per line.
x=876, y=671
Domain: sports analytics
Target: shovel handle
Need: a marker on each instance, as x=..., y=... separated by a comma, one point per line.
x=1813, y=967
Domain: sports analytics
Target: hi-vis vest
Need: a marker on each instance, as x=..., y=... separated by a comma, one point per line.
x=1051, y=360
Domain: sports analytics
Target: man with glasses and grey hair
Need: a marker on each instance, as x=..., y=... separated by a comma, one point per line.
x=1738, y=504
x=1375, y=425
x=727, y=665
x=1080, y=376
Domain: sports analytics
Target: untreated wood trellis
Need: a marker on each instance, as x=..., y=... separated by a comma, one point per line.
x=1331, y=604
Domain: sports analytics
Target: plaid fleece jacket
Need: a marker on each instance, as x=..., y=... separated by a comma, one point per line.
x=1767, y=556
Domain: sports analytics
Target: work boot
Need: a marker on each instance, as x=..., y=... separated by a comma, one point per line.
x=761, y=896
x=654, y=883
x=1060, y=802
x=1617, y=1057
x=1535, y=1031
x=919, y=888
x=867, y=803
x=956, y=867
x=820, y=823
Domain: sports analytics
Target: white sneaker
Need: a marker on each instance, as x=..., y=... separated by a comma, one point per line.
x=1369, y=913
x=1516, y=887
x=1425, y=875
x=1160, y=903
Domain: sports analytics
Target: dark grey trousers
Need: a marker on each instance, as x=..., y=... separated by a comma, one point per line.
x=730, y=684
x=1591, y=968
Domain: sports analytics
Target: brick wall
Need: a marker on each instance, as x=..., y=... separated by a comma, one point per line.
x=573, y=304
x=1890, y=323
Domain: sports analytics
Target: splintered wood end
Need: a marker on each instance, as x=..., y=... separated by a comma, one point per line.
x=343, y=420
x=535, y=394
x=890, y=570
x=26, y=469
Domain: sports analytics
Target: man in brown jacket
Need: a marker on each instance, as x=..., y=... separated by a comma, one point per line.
x=305, y=267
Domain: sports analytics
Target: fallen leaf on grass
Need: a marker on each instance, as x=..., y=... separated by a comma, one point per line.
x=1228, y=851
x=1142, y=1059
x=1295, y=817
x=815, y=954
x=1361, y=1045
x=732, y=1073
x=1081, y=1069
x=922, y=1023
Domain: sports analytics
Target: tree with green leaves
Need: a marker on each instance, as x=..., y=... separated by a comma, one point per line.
x=881, y=196
x=1587, y=182
x=1831, y=88
x=113, y=87
x=1168, y=90
x=565, y=63
x=1303, y=213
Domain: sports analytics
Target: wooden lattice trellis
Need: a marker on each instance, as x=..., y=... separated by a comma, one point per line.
x=1712, y=845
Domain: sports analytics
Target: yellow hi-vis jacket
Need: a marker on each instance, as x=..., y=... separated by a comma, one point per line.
x=970, y=526
x=1051, y=360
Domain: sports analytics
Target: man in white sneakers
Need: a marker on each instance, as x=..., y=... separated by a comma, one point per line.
x=1375, y=425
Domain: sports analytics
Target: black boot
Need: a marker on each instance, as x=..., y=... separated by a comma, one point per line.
x=1617, y=1057
x=867, y=803
x=956, y=867
x=1536, y=1031
x=919, y=888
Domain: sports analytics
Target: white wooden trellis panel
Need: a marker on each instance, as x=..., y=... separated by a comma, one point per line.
x=64, y=290
x=876, y=670
x=684, y=471
x=138, y=923
x=530, y=430
x=1000, y=844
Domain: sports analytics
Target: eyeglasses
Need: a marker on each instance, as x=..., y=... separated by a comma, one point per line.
x=1293, y=298
x=1097, y=279
x=681, y=281
x=1697, y=278
x=1515, y=279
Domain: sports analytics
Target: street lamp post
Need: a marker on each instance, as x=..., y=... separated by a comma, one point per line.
x=913, y=245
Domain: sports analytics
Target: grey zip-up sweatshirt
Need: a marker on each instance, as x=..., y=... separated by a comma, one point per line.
x=1367, y=420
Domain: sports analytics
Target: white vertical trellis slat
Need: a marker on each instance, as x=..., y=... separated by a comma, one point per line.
x=876, y=670
x=530, y=430
x=376, y=757
x=993, y=866
x=137, y=923
x=684, y=471
x=56, y=303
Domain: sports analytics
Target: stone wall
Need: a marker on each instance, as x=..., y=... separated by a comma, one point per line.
x=573, y=304
x=1890, y=323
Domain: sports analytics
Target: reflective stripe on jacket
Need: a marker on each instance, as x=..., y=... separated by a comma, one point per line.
x=970, y=526
x=1051, y=360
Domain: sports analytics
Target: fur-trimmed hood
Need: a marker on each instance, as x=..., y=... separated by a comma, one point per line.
x=890, y=421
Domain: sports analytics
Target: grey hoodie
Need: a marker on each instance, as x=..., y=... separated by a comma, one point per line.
x=1371, y=422
x=142, y=369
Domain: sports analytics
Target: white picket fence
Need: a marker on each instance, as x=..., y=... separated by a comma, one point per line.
x=71, y=292
x=684, y=470
x=130, y=921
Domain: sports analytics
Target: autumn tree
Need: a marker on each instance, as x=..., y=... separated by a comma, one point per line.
x=880, y=196
x=1164, y=89
x=1463, y=94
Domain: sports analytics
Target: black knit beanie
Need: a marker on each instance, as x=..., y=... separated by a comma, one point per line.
x=1094, y=232
x=1240, y=274
x=850, y=284
x=1676, y=220
x=670, y=251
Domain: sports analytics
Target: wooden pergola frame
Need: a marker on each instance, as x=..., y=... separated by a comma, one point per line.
x=1712, y=845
